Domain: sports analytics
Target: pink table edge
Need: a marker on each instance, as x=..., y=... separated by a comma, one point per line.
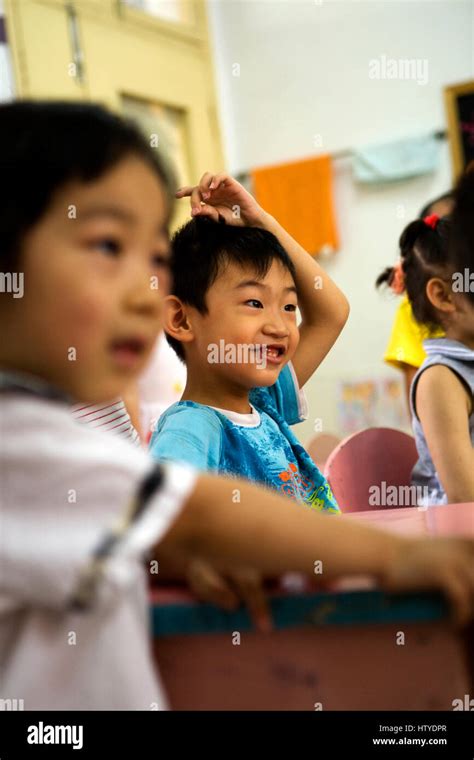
x=444, y=520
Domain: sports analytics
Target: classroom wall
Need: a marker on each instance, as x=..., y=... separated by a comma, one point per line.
x=304, y=77
x=125, y=53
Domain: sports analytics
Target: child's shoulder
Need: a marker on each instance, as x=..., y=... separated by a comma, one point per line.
x=188, y=432
x=189, y=419
x=451, y=353
x=448, y=364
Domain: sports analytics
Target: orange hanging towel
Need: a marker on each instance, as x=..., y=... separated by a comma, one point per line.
x=299, y=196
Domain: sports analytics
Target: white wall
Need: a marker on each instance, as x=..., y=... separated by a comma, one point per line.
x=304, y=72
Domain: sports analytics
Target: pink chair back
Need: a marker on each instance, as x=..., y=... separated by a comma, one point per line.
x=363, y=466
x=321, y=446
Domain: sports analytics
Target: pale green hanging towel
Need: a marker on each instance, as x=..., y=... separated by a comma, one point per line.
x=397, y=160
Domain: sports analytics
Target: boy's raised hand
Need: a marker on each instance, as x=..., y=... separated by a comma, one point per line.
x=219, y=195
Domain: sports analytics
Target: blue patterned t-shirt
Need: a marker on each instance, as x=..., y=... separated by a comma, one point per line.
x=260, y=447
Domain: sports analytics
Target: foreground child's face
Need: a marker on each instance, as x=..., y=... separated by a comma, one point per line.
x=246, y=311
x=95, y=270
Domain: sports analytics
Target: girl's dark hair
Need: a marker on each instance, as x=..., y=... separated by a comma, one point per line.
x=202, y=248
x=462, y=236
x=44, y=145
x=425, y=253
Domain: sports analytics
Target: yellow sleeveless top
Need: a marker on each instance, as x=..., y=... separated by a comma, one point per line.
x=406, y=339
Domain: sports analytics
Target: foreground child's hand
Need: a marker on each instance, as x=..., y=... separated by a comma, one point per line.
x=443, y=563
x=243, y=585
x=219, y=195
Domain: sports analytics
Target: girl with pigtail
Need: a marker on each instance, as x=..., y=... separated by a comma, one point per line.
x=431, y=271
x=404, y=351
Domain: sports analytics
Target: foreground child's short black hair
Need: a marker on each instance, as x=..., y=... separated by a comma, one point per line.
x=44, y=145
x=202, y=248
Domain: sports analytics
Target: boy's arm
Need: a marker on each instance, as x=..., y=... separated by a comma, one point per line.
x=324, y=308
x=271, y=533
x=443, y=407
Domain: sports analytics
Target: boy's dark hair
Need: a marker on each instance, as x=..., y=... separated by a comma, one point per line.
x=202, y=248
x=44, y=145
x=425, y=253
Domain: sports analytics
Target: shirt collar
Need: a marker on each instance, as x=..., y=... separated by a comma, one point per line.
x=22, y=382
x=447, y=347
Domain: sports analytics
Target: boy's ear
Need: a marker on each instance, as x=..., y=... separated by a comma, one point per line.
x=176, y=320
x=440, y=294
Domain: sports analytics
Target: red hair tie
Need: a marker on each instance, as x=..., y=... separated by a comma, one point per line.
x=431, y=220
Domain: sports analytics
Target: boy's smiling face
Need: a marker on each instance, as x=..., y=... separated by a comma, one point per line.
x=245, y=310
x=95, y=271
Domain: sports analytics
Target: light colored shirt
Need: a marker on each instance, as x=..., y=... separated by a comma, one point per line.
x=161, y=384
x=65, y=487
x=460, y=359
